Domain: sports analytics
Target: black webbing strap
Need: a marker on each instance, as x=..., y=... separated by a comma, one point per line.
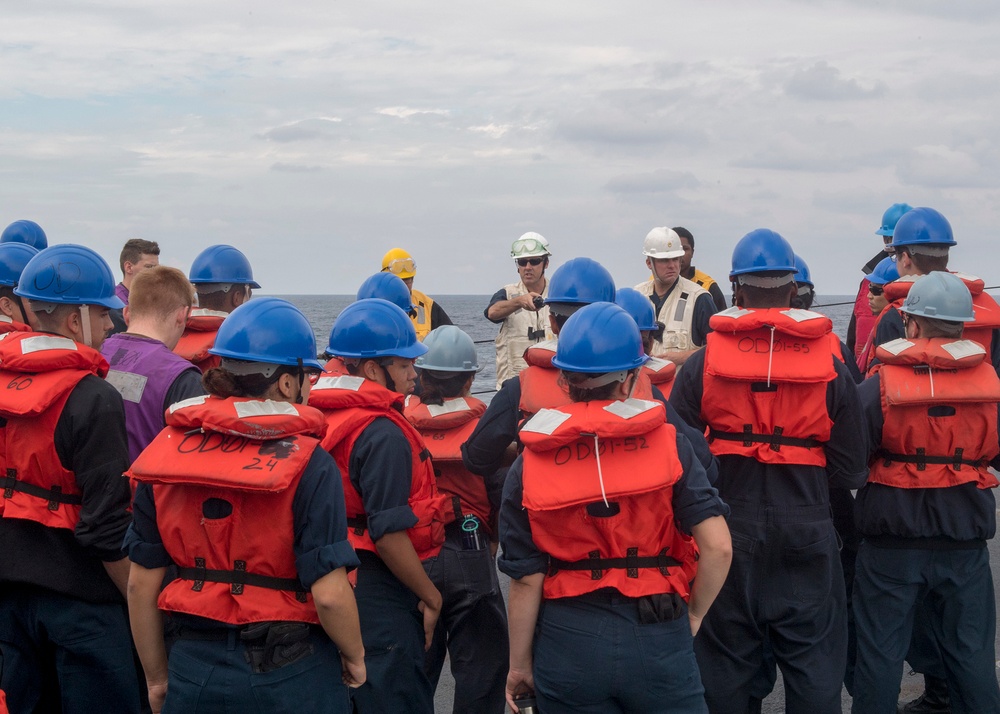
x=359, y=524
x=53, y=495
x=630, y=563
x=921, y=459
x=239, y=577
x=456, y=507
x=749, y=437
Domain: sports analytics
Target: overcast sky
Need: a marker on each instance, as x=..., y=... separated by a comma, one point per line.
x=316, y=135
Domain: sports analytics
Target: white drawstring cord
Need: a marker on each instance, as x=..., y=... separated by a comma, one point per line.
x=600, y=474
x=770, y=356
x=930, y=374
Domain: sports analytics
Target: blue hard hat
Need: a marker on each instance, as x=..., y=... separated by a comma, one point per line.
x=268, y=330
x=581, y=281
x=222, y=264
x=69, y=274
x=940, y=296
x=27, y=232
x=638, y=306
x=802, y=274
x=760, y=251
x=374, y=328
x=891, y=217
x=599, y=338
x=922, y=226
x=388, y=287
x=885, y=272
x=449, y=349
x=13, y=258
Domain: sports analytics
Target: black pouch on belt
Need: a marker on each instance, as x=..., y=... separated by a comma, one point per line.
x=665, y=607
x=273, y=645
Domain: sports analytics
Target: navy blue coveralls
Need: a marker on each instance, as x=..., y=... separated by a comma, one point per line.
x=590, y=653
x=786, y=582
x=207, y=667
x=923, y=551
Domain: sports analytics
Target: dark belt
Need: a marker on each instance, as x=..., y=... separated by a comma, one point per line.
x=749, y=437
x=238, y=577
x=53, y=495
x=921, y=459
x=630, y=563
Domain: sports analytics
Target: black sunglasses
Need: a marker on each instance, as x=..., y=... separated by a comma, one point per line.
x=876, y=290
x=524, y=262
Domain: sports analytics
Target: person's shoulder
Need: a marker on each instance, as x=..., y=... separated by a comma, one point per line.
x=645, y=287
x=691, y=287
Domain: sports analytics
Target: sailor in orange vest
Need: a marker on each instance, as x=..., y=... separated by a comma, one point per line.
x=597, y=520
x=63, y=501
x=223, y=279
x=472, y=630
x=15, y=316
x=928, y=508
x=783, y=417
x=576, y=283
x=395, y=514
x=238, y=494
x=657, y=372
x=380, y=285
x=885, y=272
x=921, y=241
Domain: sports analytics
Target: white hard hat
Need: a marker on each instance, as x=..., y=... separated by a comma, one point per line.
x=662, y=242
x=530, y=245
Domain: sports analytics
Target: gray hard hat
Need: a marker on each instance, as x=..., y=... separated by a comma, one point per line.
x=448, y=350
x=940, y=296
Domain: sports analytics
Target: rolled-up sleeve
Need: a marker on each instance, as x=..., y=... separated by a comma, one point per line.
x=381, y=469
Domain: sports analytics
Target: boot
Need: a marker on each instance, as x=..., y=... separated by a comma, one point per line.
x=934, y=700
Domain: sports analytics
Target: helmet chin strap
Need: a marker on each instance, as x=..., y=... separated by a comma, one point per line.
x=85, y=323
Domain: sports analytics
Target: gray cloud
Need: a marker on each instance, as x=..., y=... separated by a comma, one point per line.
x=824, y=82
x=660, y=181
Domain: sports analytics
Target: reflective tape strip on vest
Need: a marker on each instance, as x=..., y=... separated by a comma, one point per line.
x=245, y=456
x=444, y=429
x=578, y=455
x=518, y=332
x=350, y=404
x=540, y=388
x=199, y=338
x=765, y=380
x=422, y=304
x=939, y=406
x=39, y=375
x=656, y=372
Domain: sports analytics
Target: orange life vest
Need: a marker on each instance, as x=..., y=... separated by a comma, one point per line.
x=444, y=429
x=40, y=372
x=657, y=372
x=9, y=325
x=540, y=388
x=251, y=454
x=579, y=456
x=985, y=309
x=199, y=337
x=350, y=404
x=939, y=405
x=765, y=379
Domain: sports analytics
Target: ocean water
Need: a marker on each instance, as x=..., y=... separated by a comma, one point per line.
x=466, y=311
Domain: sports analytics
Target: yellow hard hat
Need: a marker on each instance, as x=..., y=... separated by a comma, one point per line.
x=398, y=262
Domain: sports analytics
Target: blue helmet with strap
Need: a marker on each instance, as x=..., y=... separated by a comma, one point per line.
x=13, y=258
x=638, y=306
x=923, y=226
x=599, y=338
x=885, y=272
x=267, y=330
x=580, y=281
x=388, y=287
x=373, y=328
x=762, y=251
x=222, y=264
x=27, y=232
x=891, y=217
x=68, y=274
